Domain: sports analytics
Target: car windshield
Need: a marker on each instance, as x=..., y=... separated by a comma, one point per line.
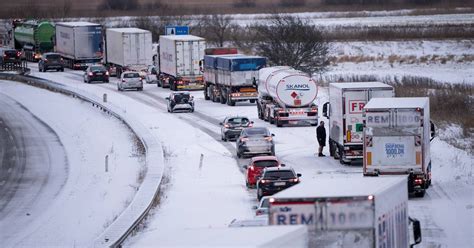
x=97, y=68
x=181, y=97
x=281, y=174
x=131, y=75
x=53, y=56
x=238, y=121
x=256, y=132
x=11, y=53
x=266, y=163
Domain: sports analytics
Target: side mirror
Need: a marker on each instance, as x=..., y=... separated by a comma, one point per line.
x=298, y=175
x=282, y=165
x=254, y=207
x=245, y=167
x=273, y=134
x=251, y=122
x=416, y=231
x=326, y=110
x=167, y=98
x=220, y=123
x=432, y=130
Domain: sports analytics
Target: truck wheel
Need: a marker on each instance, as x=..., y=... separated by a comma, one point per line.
x=206, y=93
x=221, y=98
x=278, y=123
x=341, y=156
x=270, y=119
x=229, y=101
x=331, y=148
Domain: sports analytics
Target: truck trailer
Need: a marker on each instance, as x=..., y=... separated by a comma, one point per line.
x=33, y=38
x=348, y=212
x=397, y=137
x=128, y=49
x=180, y=57
x=231, y=78
x=286, y=96
x=79, y=43
x=344, y=111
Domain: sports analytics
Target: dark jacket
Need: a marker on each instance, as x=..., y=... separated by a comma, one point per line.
x=321, y=135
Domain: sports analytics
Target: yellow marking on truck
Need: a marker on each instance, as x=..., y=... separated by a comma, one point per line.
x=368, y=158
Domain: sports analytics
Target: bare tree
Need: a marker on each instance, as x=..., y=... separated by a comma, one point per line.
x=288, y=40
x=216, y=28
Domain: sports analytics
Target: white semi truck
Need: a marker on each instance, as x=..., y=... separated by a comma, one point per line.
x=348, y=212
x=286, y=96
x=180, y=60
x=128, y=49
x=79, y=43
x=397, y=137
x=344, y=111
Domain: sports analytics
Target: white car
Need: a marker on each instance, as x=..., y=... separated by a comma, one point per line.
x=150, y=76
x=262, y=208
x=130, y=80
x=180, y=101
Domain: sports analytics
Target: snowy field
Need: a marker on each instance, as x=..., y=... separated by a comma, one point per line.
x=79, y=198
x=205, y=185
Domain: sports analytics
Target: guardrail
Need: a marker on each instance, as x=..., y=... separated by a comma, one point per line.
x=137, y=210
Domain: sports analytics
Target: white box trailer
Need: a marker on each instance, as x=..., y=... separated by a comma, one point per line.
x=397, y=137
x=251, y=237
x=348, y=212
x=79, y=43
x=180, y=60
x=344, y=111
x=128, y=48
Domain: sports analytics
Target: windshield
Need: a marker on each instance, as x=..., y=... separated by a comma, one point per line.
x=53, y=56
x=281, y=174
x=131, y=75
x=181, y=97
x=238, y=121
x=11, y=53
x=97, y=68
x=266, y=163
x=256, y=132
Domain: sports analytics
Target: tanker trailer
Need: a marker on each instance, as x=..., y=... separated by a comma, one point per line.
x=286, y=96
x=34, y=38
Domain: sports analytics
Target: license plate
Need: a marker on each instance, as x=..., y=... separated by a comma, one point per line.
x=279, y=184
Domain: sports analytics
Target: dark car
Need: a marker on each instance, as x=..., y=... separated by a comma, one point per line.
x=180, y=101
x=232, y=127
x=9, y=56
x=96, y=73
x=276, y=179
x=254, y=141
x=50, y=61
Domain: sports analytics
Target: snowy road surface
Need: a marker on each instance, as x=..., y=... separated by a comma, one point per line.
x=211, y=192
x=65, y=197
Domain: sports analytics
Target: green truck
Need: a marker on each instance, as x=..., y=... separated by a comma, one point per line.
x=34, y=38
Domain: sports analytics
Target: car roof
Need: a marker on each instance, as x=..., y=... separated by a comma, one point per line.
x=180, y=93
x=260, y=158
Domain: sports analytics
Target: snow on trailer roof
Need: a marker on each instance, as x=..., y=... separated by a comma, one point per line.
x=356, y=85
x=262, y=236
x=340, y=187
x=128, y=30
x=186, y=37
x=397, y=102
x=77, y=24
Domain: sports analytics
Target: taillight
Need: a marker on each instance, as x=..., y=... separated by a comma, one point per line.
x=259, y=212
x=263, y=181
x=251, y=168
x=294, y=180
x=106, y=73
x=268, y=138
x=418, y=181
x=226, y=125
x=244, y=139
x=46, y=60
x=250, y=125
x=18, y=54
x=123, y=80
x=91, y=74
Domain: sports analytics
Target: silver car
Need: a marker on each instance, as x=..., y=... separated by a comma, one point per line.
x=262, y=208
x=255, y=141
x=130, y=80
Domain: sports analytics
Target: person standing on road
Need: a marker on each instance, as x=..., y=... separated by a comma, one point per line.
x=321, y=136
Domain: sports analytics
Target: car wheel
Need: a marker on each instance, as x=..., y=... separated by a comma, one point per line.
x=140, y=89
x=272, y=153
x=239, y=155
x=278, y=123
x=62, y=69
x=259, y=194
x=224, y=138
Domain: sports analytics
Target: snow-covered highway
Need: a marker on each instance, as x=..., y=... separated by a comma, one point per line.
x=204, y=185
x=62, y=196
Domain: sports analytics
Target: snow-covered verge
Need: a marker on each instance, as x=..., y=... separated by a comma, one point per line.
x=94, y=194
